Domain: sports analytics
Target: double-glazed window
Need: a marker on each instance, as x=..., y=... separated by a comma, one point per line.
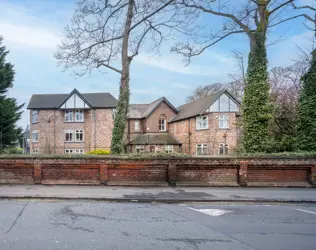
x=34, y=116
x=79, y=116
x=139, y=149
x=35, y=136
x=223, y=149
x=69, y=116
x=162, y=123
x=202, y=149
x=74, y=116
x=201, y=122
x=79, y=135
x=71, y=136
x=168, y=149
x=74, y=151
x=35, y=151
x=223, y=122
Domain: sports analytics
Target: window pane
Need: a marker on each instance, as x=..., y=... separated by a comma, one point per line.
x=79, y=116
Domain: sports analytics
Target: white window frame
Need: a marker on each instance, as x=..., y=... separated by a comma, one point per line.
x=69, y=151
x=72, y=115
x=199, y=122
x=72, y=135
x=203, y=147
x=136, y=125
x=162, y=124
x=35, y=115
x=35, y=132
x=169, y=149
x=223, y=119
x=79, y=131
x=81, y=112
x=35, y=151
x=79, y=151
x=139, y=148
x=223, y=149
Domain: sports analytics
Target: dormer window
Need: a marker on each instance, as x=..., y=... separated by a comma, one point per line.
x=162, y=123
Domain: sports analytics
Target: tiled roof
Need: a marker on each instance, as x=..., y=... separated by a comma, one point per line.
x=155, y=139
x=52, y=101
x=197, y=107
x=138, y=111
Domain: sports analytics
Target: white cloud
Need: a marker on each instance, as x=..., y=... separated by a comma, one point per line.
x=181, y=86
x=27, y=36
x=210, y=64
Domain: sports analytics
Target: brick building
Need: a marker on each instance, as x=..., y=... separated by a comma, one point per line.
x=208, y=126
x=71, y=123
x=78, y=123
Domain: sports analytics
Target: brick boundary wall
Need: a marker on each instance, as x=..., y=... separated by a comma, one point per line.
x=191, y=171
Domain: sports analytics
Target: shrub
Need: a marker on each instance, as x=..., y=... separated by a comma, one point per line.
x=100, y=152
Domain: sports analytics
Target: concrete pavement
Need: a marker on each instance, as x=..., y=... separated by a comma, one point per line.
x=160, y=194
x=44, y=224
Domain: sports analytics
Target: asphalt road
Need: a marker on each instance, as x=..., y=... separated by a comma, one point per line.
x=98, y=225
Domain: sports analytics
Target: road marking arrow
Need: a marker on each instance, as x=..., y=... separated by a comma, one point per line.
x=212, y=212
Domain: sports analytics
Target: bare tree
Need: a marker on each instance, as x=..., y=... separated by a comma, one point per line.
x=203, y=91
x=251, y=18
x=109, y=34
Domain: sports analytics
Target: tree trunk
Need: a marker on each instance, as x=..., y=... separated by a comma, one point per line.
x=117, y=144
x=257, y=110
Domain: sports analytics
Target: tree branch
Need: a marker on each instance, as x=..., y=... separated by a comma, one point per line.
x=108, y=66
x=231, y=16
x=151, y=14
x=303, y=7
x=280, y=6
x=293, y=17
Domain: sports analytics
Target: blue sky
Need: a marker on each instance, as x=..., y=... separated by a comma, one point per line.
x=33, y=28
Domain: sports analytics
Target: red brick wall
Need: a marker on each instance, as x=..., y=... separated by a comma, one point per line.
x=137, y=173
x=210, y=174
x=196, y=170
x=70, y=174
x=11, y=173
x=277, y=174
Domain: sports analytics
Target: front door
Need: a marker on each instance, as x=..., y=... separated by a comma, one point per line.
x=152, y=149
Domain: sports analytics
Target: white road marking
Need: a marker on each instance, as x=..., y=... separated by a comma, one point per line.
x=306, y=211
x=212, y=212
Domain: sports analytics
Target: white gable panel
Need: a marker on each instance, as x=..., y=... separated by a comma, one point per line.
x=70, y=103
x=214, y=107
x=63, y=106
x=224, y=103
x=233, y=106
x=79, y=103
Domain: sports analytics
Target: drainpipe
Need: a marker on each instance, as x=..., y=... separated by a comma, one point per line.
x=189, y=131
x=128, y=134
x=54, y=132
x=95, y=129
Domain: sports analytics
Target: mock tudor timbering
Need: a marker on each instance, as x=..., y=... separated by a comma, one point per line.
x=77, y=123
